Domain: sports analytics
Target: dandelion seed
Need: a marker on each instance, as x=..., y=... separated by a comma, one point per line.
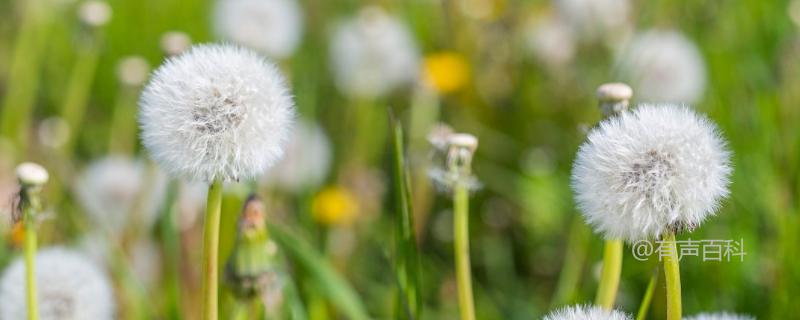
x=70, y=287
x=664, y=66
x=272, y=27
x=373, y=54
x=586, y=312
x=216, y=112
x=658, y=168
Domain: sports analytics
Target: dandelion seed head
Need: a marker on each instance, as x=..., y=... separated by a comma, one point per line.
x=273, y=27
x=591, y=19
x=32, y=174
x=94, y=13
x=373, y=54
x=720, y=316
x=663, y=66
x=216, y=112
x=307, y=160
x=551, y=40
x=586, y=312
x=69, y=286
x=118, y=192
x=655, y=169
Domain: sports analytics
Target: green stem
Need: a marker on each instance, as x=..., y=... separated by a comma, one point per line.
x=569, y=278
x=609, y=280
x=461, y=239
x=30, y=266
x=648, y=296
x=672, y=275
x=78, y=91
x=211, y=251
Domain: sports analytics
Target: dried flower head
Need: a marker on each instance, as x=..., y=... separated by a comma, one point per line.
x=664, y=66
x=70, y=286
x=31, y=174
x=586, y=312
x=373, y=54
x=307, y=160
x=216, y=112
x=95, y=13
x=272, y=27
x=658, y=168
x=457, y=167
x=118, y=192
x=720, y=316
x=174, y=43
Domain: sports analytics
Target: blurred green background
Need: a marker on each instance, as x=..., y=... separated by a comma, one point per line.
x=531, y=251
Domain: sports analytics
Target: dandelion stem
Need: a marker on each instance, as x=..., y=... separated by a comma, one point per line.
x=461, y=239
x=672, y=275
x=30, y=265
x=211, y=251
x=609, y=280
x=648, y=296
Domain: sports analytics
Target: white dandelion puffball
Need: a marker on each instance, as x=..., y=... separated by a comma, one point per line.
x=592, y=19
x=69, y=286
x=273, y=27
x=586, y=312
x=663, y=66
x=720, y=316
x=655, y=169
x=550, y=40
x=118, y=192
x=216, y=112
x=307, y=160
x=373, y=54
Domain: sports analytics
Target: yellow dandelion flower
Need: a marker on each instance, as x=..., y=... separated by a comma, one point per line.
x=334, y=206
x=446, y=72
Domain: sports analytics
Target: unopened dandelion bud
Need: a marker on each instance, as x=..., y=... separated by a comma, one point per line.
x=614, y=97
x=253, y=268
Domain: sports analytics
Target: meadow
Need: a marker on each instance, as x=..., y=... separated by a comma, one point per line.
x=405, y=150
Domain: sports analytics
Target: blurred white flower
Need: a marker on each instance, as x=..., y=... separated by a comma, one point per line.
x=593, y=19
x=586, y=312
x=133, y=71
x=118, y=192
x=69, y=286
x=273, y=27
x=373, y=54
x=216, y=112
x=94, y=13
x=174, y=43
x=307, y=160
x=663, y=66
x=53, y=132
x=658, y=168
x=551, y=40
x=720, y=316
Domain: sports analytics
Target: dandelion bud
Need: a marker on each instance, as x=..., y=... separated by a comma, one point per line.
x=586, y=312
x=614, y=97
x=253, y=268
x=95, y=13
x=32, y=175
x=174, y=43
x=272, y=27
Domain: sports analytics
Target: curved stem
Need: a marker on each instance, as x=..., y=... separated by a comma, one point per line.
x=672, y=275
x=648, y=296
x=30, y=266
x=461, y=239
x=211, y=251
x=609, y=281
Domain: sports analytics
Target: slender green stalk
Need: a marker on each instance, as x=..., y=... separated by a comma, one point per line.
x=211, y=251
x=648, y=296
x=461, y=239
x=570, y=275
x=78, y=90
x=609, y=280
x=672, y=276
x=30, y=265
x=240, y=311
